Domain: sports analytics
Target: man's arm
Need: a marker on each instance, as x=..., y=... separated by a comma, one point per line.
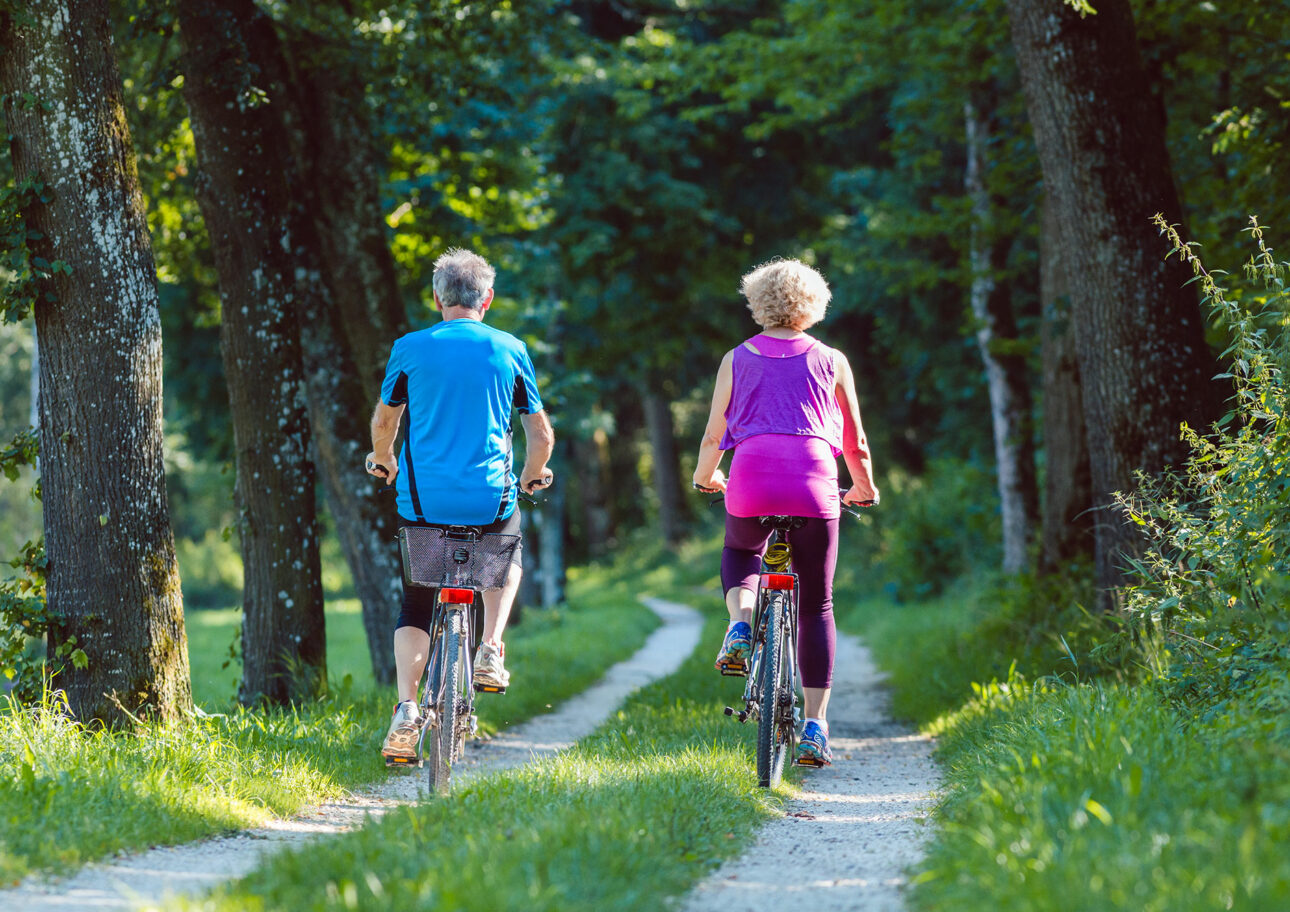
x=539, y=441
x=385, y=427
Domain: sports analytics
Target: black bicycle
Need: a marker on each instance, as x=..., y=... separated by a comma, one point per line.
x=771, y=693
x=458, y=561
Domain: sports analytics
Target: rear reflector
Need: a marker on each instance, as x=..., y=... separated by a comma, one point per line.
x=777, y=580
x=456, y=596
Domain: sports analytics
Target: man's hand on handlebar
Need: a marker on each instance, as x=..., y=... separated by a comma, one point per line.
x=385, y=469
x=531, y=481
x=715, y=484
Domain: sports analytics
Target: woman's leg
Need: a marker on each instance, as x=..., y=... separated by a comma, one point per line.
x=746, y=540
x=815, y=557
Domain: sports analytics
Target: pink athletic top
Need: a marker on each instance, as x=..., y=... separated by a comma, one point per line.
x=785, y=426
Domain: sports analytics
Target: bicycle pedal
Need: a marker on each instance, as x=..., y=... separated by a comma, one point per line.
x=489, y=689
x=402, y=762
x=814, y=762
x=734, y=669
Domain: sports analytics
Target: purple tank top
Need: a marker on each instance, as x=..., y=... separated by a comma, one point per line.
x=788, y=389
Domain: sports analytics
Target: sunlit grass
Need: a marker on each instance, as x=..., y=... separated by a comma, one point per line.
x=68, y=795
x=634, y=814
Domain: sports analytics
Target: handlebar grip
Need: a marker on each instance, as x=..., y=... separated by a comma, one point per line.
x=377, y=468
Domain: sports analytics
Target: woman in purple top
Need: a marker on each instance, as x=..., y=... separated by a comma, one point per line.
x=786, y=404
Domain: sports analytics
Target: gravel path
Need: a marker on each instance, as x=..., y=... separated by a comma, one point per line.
x=145, y=879
x=847, y=841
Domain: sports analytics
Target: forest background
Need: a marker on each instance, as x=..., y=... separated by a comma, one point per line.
x=623, y=164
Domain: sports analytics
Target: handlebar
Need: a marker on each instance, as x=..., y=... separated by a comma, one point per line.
x=853, y=509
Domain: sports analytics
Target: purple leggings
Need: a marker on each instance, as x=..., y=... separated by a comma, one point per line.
x=815, y=556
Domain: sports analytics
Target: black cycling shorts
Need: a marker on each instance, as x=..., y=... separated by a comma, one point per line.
x=418, y=601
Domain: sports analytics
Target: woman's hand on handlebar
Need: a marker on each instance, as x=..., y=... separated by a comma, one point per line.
x=533, y=481
x=714, y=484
x=386, y=469
x=855, y=497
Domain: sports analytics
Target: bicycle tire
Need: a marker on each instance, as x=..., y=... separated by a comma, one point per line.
x=442, y=745
x=772, y=745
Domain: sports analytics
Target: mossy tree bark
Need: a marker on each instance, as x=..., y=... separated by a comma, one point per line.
x=235, y=105
x=1143, y=363
x=112, y=573
x=357, y=313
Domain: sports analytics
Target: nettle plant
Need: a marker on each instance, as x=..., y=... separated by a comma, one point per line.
x=1216, y=580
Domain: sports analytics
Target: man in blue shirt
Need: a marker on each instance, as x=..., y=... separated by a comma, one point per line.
x=458, y=382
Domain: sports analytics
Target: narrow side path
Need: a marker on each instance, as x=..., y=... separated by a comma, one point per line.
x=145, y=879
x=845, y=843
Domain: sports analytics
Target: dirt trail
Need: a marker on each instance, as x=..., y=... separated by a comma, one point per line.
x=143, y=880
x=846, y=842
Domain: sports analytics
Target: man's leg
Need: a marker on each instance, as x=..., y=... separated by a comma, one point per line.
x=497, y=607
x=411, y=650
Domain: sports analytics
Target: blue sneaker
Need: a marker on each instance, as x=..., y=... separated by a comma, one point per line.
x=733, y=657
x=813, y=749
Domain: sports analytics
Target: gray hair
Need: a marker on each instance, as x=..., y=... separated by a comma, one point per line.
x=462, y=279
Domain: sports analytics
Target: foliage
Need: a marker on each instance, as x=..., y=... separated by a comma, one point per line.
x=1213, y=602
x=931, y=530
x=19, y=271
x=24, y=615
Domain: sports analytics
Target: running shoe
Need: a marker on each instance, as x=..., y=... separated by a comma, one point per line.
x=405, y=732
x=737, y=646
x=489, y=668
x=813, y=749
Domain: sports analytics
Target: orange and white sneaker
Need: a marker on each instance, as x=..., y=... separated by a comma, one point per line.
x=490, y=670
x=404, y=736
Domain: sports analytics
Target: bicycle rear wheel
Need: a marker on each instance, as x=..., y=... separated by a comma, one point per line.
x=443, y=740
x=774, y=737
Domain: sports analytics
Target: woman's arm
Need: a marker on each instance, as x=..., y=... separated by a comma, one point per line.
x=855, y=448
x=707, y=474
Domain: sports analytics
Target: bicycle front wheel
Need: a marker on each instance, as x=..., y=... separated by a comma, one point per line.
x=776, y=685
x=447, y=685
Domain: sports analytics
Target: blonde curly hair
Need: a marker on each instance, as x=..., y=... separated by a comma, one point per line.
x=785, y=293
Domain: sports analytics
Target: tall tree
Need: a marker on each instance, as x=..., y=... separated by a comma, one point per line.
x=245, y=197
x=112, y=574
x=1007, y=375
x=1068, y=494
x=1143, y=363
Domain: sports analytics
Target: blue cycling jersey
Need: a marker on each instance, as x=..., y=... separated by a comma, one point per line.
x=460, y=381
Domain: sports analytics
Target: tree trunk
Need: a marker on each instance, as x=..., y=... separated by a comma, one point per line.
x=112, y=575
x=625, y=486
x=1005, y=366
x=352, y=316
x=551, y=520
x=236, y=110
x=590, y=456
x=1068, y=491
x=667, y=477
x=1143, y=362
x=343, y=166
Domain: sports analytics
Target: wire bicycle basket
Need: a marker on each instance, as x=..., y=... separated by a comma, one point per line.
x=434, y=558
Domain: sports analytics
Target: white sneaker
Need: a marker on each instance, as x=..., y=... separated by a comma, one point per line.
x=489, y=669
x=405, y=731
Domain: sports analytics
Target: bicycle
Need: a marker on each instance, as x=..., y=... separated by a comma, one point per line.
x=458, y=561
x=771, y=693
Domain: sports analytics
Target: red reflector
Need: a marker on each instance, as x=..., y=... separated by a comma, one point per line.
x=777, y=580
x=456, y=596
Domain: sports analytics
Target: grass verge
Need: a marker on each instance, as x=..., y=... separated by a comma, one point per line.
x=633, y=814
x=68, y=795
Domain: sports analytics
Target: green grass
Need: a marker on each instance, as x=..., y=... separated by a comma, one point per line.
x=1107, y=797
x=634, y=814
x=94, y=793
